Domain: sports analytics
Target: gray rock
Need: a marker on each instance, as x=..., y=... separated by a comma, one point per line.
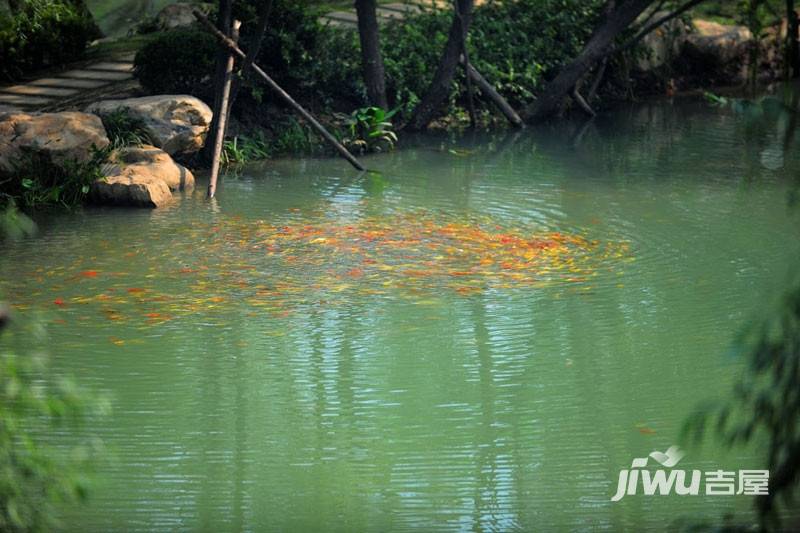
x=719, y=48
x=175, y=123
x=175, y=16
x=58, y=137
x=142, y=176
x=663, y=44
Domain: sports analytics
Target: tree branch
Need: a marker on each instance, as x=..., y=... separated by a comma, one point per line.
x=652, y=26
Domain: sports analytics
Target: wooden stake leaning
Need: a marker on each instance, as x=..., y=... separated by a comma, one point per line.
x=222, y=114
x=226, y=41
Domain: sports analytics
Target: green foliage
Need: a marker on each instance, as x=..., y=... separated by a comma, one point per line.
x=177, y=62
x=290, y=137
x=124, y=129
x=43, y=33
x=14, y=224
x=766, y=402
x=538, y=37
x=37, y=181
x=182, y=60
x=322, y=65
x=715, y=99
x=295, y=137
x=34, y=478
x=290, y=43
x=244, y=149
x=370, y=130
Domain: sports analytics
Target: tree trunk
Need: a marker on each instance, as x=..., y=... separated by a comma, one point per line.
x=596, y=48
x=443, y=78
x=254, y=49
x=371, y=59
x=793, y=44
x=473, y=121
x=224, y=25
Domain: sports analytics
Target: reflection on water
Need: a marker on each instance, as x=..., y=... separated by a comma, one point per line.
x=479, y=337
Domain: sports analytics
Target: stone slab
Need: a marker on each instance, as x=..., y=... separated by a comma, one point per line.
x=343, y=16
x=433, y=4
x=23, y=100
x=115, y=66
x=38, y=91
x=402, y=8
x=337, y=23
x=84, y=74
x=389, y=13
x=68, y=82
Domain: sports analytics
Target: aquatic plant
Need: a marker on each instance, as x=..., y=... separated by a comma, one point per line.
x=370, y=130
x=244, y=149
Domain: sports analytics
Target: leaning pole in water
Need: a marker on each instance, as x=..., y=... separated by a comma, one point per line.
x=227, y=42
x=222, y=113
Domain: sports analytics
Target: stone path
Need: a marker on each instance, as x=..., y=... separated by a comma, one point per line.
x=385, y=12
x=62, y=89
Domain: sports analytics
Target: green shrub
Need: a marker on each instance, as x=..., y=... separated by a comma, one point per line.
x=42, y=33
x=290, y=43
x=369, y=129
x=244, y=149
x=182, y=61
x=517, y=46
x=37, y=182
x=179, y=61
x=123, y=129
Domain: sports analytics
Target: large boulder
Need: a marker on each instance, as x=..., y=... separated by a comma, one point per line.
x=718, y=50
x=151, y=160
x=663, y=44
x=56, y=137
x=175, y=16
x=175, y=123
x=143, y=176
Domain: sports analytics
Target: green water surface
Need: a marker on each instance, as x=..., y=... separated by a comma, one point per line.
x=266, y=382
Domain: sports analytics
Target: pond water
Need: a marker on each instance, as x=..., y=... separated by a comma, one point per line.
x=479, y=337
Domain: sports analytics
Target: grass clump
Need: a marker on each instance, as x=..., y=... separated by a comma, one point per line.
x=36, y=181
x=124, y=129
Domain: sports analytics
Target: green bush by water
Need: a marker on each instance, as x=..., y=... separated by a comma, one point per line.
x=177, y=62
x=38, y=182
x=369, y=129
x=322, y=65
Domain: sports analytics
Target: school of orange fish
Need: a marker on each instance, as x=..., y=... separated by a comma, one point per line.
x=277, y=269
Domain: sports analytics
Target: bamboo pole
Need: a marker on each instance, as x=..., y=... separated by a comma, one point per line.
x=487, y=89
x=222, y=113
x=225, y=40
